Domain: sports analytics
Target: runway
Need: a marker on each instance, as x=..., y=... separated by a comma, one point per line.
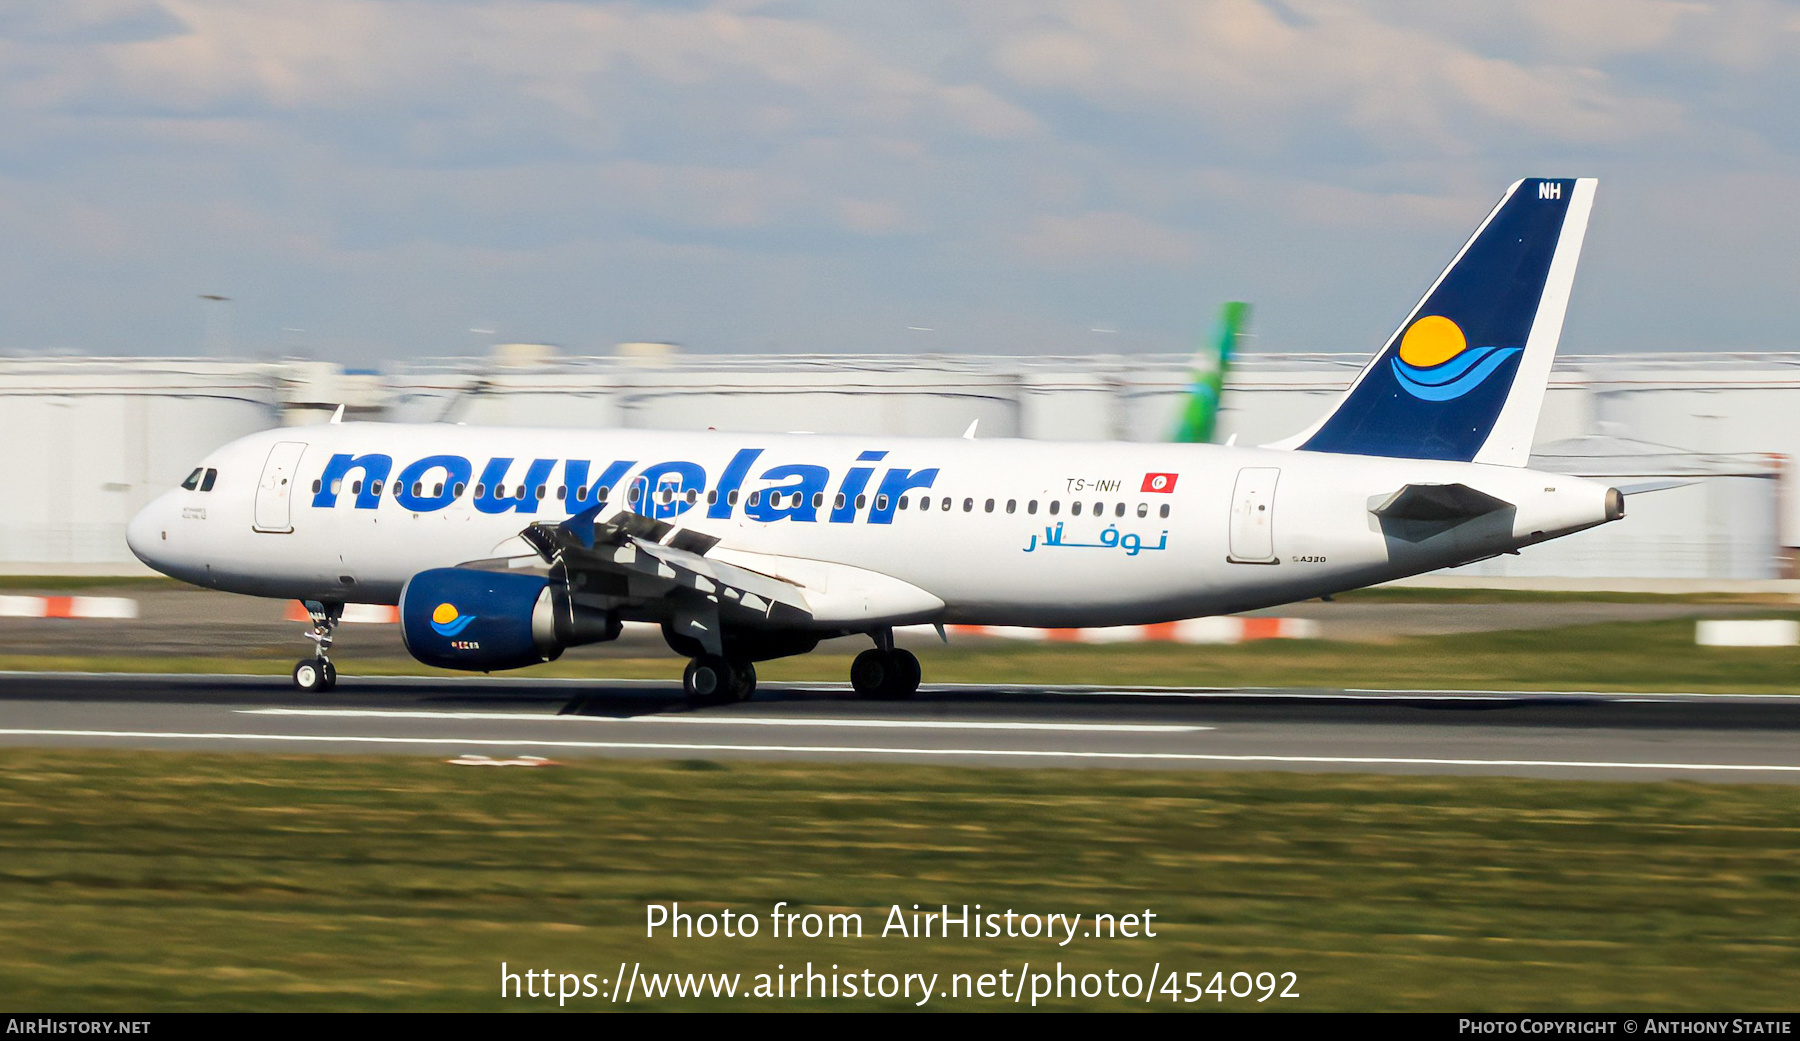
x=1748, y=739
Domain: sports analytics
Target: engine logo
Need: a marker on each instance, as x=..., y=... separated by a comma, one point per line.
x=446, y=620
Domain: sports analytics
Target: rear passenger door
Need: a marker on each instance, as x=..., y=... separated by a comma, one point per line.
x=1253, y=516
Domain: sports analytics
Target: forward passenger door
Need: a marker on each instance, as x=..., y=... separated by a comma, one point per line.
x=274, y=493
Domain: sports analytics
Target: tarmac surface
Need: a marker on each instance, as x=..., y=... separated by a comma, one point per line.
x=176, y=621
x=1737, y=739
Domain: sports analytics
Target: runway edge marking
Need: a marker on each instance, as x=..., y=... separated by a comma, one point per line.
x=669, y=746
x=760, y=721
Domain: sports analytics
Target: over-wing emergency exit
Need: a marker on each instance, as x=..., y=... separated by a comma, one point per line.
x=502, y=547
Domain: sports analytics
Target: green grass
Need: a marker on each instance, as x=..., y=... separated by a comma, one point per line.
x=1646, y=656
x=152, y=881
x=66, y=583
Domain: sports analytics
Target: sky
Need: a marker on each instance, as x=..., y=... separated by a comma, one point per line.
x=369, y=181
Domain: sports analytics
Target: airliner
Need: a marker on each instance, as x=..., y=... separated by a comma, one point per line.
x=1199, y=418
x=502, y=547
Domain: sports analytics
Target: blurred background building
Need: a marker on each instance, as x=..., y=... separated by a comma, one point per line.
x=89, y=441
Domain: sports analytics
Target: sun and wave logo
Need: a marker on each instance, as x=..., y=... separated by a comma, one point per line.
x=446, y=620
x=1436, y=363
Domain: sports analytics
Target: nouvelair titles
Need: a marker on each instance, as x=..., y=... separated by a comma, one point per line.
x=787, y=491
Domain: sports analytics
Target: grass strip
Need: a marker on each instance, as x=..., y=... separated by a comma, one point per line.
x=168, y=881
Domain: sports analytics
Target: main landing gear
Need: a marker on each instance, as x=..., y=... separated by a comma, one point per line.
x=885, y=672
x=712, y=680
x=316, y=675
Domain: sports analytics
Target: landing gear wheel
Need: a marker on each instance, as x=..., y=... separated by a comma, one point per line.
x=314, y=676
x=868, y=672
x=746, y=680
x=907, y=673
x=885, y=675
x=710, y=680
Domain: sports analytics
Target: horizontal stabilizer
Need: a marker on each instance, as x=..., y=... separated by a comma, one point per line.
x=1646, y=487
x=1438, y=502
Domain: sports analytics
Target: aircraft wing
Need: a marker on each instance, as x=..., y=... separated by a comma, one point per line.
x=633, y=557
x=648, y=568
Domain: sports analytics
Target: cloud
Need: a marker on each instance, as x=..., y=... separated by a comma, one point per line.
x=735, y=173
x=1101, y=237
x=1242, y=64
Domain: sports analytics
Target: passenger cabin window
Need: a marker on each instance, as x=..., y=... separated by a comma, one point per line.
x=1031, y=507
x=1074, y=509
x=1012, y=505
x=1055, y=507
x=988, y=507
x=881, y=502
x=905, y=502
x=1143, y=510
x=316, y=486
x=1165, y=511
x=459, y=489
x=193, y=479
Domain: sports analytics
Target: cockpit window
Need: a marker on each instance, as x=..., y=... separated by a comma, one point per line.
x=206, y=482
x=193, y=479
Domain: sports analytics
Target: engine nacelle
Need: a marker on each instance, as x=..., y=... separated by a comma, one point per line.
x=460, y=618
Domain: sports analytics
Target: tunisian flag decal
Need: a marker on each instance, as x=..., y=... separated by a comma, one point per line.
x=1158, y=483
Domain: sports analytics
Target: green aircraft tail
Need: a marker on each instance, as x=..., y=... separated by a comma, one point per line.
x=1200, y=415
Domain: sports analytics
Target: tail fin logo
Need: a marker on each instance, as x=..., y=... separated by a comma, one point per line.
x=1436, y=363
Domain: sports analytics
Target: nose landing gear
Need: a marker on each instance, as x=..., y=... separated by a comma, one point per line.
x=885, y=672
x=316, y=675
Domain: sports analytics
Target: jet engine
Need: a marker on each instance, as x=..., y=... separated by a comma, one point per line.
x=461, y=618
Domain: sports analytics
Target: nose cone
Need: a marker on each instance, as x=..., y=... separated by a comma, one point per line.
x=148, y=532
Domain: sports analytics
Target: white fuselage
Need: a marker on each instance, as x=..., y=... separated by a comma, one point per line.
x=1034, y=533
